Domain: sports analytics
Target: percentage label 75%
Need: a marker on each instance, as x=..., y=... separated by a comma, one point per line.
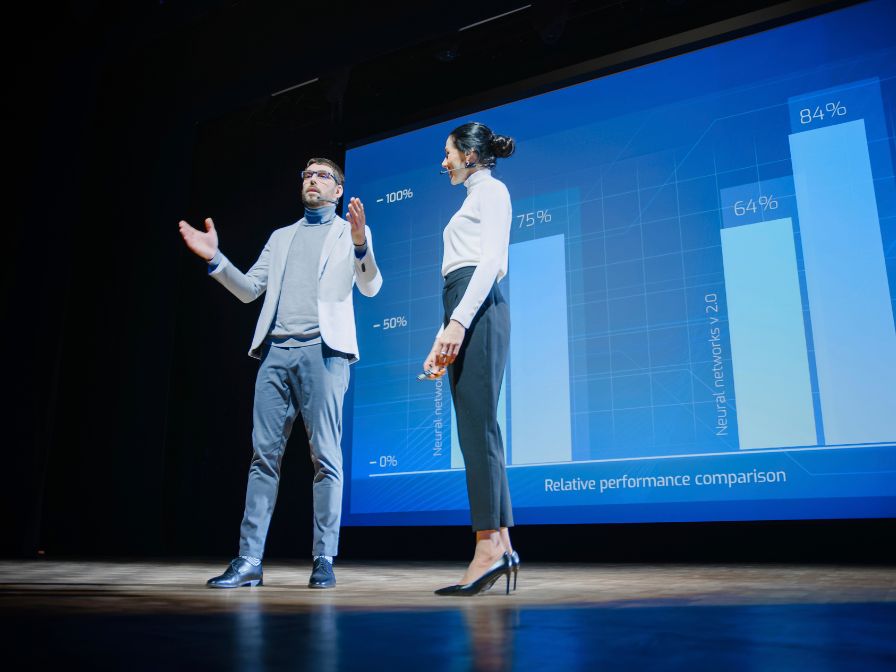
x=532, y=218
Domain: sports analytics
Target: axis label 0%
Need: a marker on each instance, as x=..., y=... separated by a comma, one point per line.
x=385, y=461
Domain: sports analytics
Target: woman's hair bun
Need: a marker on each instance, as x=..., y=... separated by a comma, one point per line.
x=502, y=146
x=476, y=137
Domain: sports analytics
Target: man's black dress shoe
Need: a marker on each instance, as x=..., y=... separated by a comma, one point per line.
x=240, y=573
x=322, y=575
x=484, y=582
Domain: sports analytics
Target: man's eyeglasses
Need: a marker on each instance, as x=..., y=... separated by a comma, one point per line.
x=322, y=174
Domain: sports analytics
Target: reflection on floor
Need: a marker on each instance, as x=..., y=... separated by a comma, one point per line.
x=576, y=617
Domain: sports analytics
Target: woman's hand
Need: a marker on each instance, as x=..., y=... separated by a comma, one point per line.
x=431, y=370
x=445, y=349
x=447, y=345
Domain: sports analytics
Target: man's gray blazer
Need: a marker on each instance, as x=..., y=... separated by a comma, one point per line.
x=338, y=271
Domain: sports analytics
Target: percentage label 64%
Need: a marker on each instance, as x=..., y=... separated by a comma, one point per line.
x=761, y=204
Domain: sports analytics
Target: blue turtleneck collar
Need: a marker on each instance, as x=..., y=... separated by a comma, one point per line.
x=318, y=216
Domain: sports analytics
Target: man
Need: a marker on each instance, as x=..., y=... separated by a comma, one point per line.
x=305, y=339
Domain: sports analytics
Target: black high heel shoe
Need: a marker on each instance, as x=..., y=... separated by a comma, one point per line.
x=514, y=566
x=484, y=582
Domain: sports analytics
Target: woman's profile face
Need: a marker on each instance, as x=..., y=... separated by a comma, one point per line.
x=454, y=161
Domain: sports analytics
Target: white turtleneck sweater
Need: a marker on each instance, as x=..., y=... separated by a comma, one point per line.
x=478, y=235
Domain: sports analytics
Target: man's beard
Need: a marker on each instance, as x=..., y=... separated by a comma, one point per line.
x=314, y=199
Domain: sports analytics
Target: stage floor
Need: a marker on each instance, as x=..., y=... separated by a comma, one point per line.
x=147, y=615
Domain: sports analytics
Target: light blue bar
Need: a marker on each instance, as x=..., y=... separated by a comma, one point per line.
x=846, y=278
x=772, y=387
x=502, y=414
x=539, y=352
x=457, y=458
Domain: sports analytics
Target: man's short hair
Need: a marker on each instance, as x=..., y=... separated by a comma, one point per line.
x=337, y=171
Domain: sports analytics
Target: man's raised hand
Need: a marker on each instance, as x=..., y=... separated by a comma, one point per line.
x=203, y=244
x=358, y=220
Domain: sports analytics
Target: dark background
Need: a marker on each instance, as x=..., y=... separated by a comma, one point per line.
x=128, y=392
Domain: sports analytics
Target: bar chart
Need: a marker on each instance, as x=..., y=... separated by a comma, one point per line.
x=702, y=273
x=847, y=288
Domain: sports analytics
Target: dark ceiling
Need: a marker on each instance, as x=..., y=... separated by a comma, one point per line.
x=378, y=66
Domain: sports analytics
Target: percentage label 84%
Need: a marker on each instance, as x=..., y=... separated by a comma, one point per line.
x=833, y=109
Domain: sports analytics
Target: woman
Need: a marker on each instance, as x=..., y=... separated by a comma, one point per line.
x=473, y=341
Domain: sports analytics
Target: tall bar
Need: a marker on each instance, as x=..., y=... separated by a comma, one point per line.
x=772, y=387
x=539, y=351
x=846, y=278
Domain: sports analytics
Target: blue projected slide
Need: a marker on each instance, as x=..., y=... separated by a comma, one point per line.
x=701, y=286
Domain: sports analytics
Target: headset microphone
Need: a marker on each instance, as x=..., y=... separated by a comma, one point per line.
x=466, y=165
x=325, y=200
